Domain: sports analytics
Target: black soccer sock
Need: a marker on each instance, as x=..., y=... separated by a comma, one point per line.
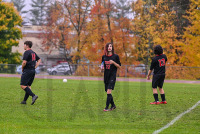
x=112, y=101
x=28, y=91
x=26, y=96
x=155, y=97
x=109, y=97
x=163, y=97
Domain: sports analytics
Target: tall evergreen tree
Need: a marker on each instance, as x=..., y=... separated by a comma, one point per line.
x=180, y=7
x=39, y=11
x=123, y=8
x=19, y=4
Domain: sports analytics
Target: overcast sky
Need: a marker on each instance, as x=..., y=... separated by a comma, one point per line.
x=28, y=2
x=28, y=7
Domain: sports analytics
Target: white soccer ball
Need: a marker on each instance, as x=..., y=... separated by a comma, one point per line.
x=64, y=80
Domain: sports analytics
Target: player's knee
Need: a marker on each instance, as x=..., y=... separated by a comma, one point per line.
x=155, y=90
x=109, y=91
x=23, y=87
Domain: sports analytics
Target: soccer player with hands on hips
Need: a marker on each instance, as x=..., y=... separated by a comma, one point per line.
x=110, y=64
x=158, y=65
x=30, y=62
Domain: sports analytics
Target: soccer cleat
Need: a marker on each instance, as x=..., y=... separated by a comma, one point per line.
x=23, y=102
x=112, y=108
x=34, y=99
x=163, y=102
x=106, y=109
x=155, y=103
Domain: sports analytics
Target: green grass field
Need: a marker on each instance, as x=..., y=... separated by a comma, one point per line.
x=77, y=107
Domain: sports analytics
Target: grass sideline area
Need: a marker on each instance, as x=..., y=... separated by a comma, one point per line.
x=77, y=107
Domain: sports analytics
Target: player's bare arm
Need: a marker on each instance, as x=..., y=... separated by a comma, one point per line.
x=37, y=63
x=113, y=62
x=149, y=73
x=23, y=64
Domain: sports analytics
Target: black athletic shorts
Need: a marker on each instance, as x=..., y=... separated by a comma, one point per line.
x=158, y=80
x=109, y=86
x=27, y=77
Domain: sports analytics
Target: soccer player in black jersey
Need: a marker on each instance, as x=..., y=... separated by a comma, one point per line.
x=30, y=62
x=158, y=65
x=111, y=64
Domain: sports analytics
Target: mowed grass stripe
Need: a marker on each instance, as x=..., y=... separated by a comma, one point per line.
x=77, y=107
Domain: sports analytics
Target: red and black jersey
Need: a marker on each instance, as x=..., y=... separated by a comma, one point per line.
x=158, y=64
x=31, y=57
x=110, y=70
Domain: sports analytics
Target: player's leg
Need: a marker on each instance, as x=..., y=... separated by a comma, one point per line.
x=109, y=97
x=34, y=98
x=24, y=83
x=26, y=96
x=161, y=90
x=27, y=90
x=108, y=100
x=155, y=92
x=106, y=88
x=155, y=95
x=111, y=86
x=160, y=86
x=27, y=79
x=162, y=94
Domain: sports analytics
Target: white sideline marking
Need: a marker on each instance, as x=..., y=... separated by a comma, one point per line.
x=177, y=118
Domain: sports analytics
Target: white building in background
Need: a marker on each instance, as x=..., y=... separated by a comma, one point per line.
x=32, y=33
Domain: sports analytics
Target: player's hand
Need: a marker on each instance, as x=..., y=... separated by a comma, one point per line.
x=111, y=61
x=102, y=70
x=148, y=77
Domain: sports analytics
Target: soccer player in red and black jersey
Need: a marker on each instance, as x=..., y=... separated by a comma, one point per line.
x=111, y=63
x=158, y=65
x=30, y=62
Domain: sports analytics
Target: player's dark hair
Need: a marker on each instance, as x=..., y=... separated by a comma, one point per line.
x=158, y=50
x=28, y=43
x=106, y=49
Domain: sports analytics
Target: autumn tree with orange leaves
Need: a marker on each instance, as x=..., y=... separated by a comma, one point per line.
x=65, y=28
x=56, y=31
x=77, y=12
x=83, y=30
x=96, y=32
x=106, y=27
x=153, y=25
x=84, y=27
x=141, y=32
x=122, y=32
x=191, y=37
x=163, y=31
